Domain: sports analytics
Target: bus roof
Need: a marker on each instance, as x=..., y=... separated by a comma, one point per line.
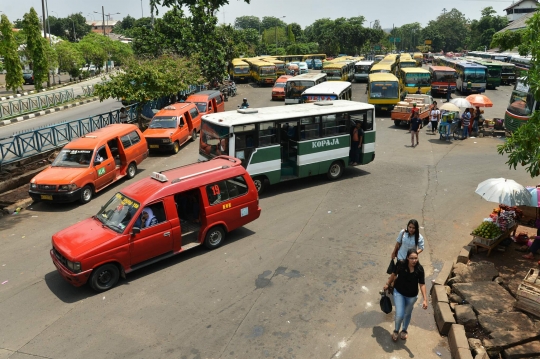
x=265, y=114
x=335, y=65
x=414, y=70
x=441, y=68
x=382, y=76
x=328, y=87
x=381, y=65
x=239, y=62
x=364, y=62
x=308, y=76
x=261, y=63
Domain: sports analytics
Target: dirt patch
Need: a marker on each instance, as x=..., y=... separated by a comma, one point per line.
x=15, y=195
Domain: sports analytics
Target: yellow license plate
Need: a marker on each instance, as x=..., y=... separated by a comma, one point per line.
x=46, y=196
x=384, y=108
x=154, y=146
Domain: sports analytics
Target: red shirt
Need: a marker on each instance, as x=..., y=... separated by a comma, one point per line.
x=413, y=110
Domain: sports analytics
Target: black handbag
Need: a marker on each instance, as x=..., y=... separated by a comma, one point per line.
x=386, y=304
x=391, y=267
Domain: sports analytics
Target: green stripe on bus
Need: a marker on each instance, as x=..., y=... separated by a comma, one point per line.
x=273, y=176
x=369, y=137
x=512, y=124
x=366, y=158
x=264, y=154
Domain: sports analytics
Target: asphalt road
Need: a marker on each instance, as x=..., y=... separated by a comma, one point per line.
x=300, y=282
x=64, y=78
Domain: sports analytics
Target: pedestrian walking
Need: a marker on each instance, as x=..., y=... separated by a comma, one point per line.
x=408, y=276
x=416, y=125
x=448, y=93
x=434, y=117
x=409, y=238
x=123, y=115
x=465, y=122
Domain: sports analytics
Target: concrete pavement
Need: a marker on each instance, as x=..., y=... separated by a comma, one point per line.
x=300, y=282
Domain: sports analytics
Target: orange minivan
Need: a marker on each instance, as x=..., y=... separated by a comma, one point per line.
x=155, y=218
x=173, y=126
x=90, y=163
x=278, y=91
x=207, y=102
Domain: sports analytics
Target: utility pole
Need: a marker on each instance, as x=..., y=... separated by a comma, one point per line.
x=142, y=12
x=444, y=11
x=45, y=36
x=103, y=22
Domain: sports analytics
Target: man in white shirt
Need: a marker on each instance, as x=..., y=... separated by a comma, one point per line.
x=434, y=117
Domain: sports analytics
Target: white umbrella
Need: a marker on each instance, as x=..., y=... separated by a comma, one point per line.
x=449, y=107
x=505, y=191
x=461, y=102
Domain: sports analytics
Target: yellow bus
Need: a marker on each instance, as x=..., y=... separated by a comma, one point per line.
x=336, y=71
x=406, y=62
x=377, y=59
x=239, y=70
x=419, y=58
x=280, y=65
x=383, y=91
x=262, y=72
x=313, y=56
x=410, y=79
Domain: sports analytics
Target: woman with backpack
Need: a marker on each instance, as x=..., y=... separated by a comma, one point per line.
x=409, y=238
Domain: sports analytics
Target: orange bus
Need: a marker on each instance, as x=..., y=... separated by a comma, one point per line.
x=441, y=77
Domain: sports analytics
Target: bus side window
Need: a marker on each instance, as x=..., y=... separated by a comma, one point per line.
x=267, y=134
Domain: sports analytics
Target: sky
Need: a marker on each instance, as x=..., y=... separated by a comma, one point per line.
x=304, y=12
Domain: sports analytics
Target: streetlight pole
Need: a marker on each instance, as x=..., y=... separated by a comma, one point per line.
x=276, y=32
x=45, y=36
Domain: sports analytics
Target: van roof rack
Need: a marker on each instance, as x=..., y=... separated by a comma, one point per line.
x=91, y=136
x=198, y=173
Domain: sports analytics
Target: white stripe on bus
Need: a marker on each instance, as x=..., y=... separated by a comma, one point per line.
x=368, y=147
x=323, y=156
x=263, y=167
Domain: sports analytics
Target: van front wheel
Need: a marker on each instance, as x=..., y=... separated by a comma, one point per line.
x=214, y=237
x=86, y=194
x=104, y=277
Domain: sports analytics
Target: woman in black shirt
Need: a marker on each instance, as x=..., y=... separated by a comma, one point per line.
x=407, y=277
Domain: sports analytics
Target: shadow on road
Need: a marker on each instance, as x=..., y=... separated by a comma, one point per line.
x=383, y=338
x=70, y=294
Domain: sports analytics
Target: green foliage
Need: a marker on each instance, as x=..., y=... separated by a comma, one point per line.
x=64, y=27
x=12, y=63
x=18, y=24
x=449, y=32
x=522, y=146
x=270, y=36
x=270, y=22
x=144, y=80
x=70, y=57
x=36, y=48
x=247, y=22
x=95, y=48
x=50, y=54
x=508, y=40
x=482, y=30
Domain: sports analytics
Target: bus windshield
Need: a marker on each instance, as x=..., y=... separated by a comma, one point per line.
x=214, y=140
x=362, y=69
x=384, y=90
x=444, y=76
x=241, y=70
x=268, y=70
x=494, y=72
x=477, y=75
x=407, y=64
x=413, y=80
x=294, y=89
x=521, y=103
x=332, y=73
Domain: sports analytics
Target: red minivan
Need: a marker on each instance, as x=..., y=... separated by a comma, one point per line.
x=155, y=218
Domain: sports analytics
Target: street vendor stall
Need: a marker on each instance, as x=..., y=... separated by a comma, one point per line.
x=500, y=224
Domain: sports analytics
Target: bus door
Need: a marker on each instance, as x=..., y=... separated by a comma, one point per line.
x=368, y=141
x=288, y=141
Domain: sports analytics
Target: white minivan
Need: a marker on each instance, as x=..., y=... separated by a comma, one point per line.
x=303, y=67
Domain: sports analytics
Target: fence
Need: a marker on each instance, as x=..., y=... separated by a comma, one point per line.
x=35, y=103
x=30, y=143
x=88, y=90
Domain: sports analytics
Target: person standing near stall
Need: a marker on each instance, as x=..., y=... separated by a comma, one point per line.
x=434, y=117
x=404, y=282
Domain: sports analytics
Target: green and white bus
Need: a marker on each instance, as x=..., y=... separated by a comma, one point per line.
x=278, y=143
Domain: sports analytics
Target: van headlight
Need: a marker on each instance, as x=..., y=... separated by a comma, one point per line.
x=33, y=186
x=67, y=187
x=74, y=266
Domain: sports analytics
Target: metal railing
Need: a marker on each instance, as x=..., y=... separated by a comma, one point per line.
x=88, y=90
x=23, y=105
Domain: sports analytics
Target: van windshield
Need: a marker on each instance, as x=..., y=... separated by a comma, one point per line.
x=214, y=140
x=163, y=122
x=73, y=158
x=118, y=212
x=201, y=106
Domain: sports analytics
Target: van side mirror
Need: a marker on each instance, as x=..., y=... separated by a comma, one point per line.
x=181, y=125
x=135, y=230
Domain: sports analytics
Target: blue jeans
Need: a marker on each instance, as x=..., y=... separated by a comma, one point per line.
x=404, y=308
x=465, y=131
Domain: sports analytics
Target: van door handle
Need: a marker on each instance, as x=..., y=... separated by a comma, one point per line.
x=166, y=234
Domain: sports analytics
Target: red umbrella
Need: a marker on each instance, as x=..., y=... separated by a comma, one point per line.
x=479, y=101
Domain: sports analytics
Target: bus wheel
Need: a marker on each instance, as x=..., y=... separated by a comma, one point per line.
x=176, y=147
x=260, y=184
x=397, y=122
x=335, y=171
x=214, y=237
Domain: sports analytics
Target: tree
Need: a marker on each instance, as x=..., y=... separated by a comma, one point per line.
x=12, y=62
x=482, y=30
x=36, y=48
x=522, y=146
x=247, y=22
x=18, y=24
x=95, y=48
x=508, y=40
x=70, y=58
x=71, y=28
x=269, y=22
x=125, y=25
x=297, y=32
x=144, y=80
x=449, y=32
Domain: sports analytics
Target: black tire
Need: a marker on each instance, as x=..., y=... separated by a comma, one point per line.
x=87, y=192
x=131, y=170
x=193, y=136
x=104, y=277
x=335, y=171
x=214, y=237
x=397, y=122
x=260, y=184
x=456, y=134
x=176, y=147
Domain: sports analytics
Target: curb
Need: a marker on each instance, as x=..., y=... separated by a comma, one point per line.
x=23, y=203
x=45, y=112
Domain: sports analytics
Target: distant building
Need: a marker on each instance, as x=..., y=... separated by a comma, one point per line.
x=518, y=24
x=97, y=25
x=520, y=8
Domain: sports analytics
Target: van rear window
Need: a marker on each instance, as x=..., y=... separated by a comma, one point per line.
x=224, y=190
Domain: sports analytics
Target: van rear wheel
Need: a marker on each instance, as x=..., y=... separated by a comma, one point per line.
x=214, y=237
x=132, y=170
x=193, y=135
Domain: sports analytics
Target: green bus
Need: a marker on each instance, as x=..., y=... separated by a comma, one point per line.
x=494, y=71
x=277, y=144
